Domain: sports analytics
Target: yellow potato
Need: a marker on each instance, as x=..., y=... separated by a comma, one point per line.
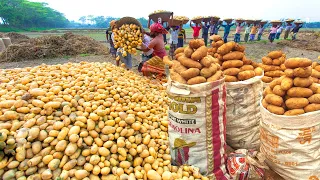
x=190, y=73
x=233, y=55
x=196, y=43
x=218, y=56
x=178, y=67
x=274, y=100
x=244, y=75
x=239, y=48
x=283, y=67
x=179, y=55
x=215, y=77
x=258, y=71
x=215, y=38
x=264, y=103
x=286, y=83
x=276, y=62
x=294, y=112
x=189, y=63
x=188, y=52
x=314, y=99
x=302, y=72
x=267, y=91
x=275, y=109
x=196, y=80
x=299, y=92
x=297, y=63
x=312, y=107
x=282, y=59
x=231, y=71
x=208, y=72
x=232, y=64
x=267, y=61
x=302, y=82
x=268, y=68
x=289, y=73
x=314, y=87
x=230, y=78
x=219, y=43
x=247, y=61
x=278, y=91
x=226, y=48
x=276, y=82
x=200, y=53
x=275, y=54
x=176, y=77
x=179, y=50
x=315, y=73
x=207, y=61
x=277, y=73
x=315, y=80
x=296, y=103
x=246, y=67
x=266, y=79
x=317, y=68
x=167, y=61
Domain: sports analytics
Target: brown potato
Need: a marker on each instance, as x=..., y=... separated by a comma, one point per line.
x=317, y=68
x=215, y=77
x=302, y=72
x=247, y=61
x=283, y=67
x=276, y=62
x=230, y=78
x=226, y=48
x=231, y=71
x=314, y=99
x=219, y=43
x=167, y=61
x=264, y=103
x=200, y=53
x=268, y=68
x=190, y=73
x=314, y=88
x=246, y=67
x=207, y=61
x=254, y=64
x=286, y=83
x=218, y=56
x=244, y=75
x=188, y=51
x=176, y=77
x=312, y=107
x=267, y=61
x=258, y=71
x=208, y=72
x=315, y=73
x=315, y=80
x=189, y=63
x=275, y=54
x=282, y=59
x=277, y=73
x=297, y=63
x=196, y=43
x=215, y=38
x=278, y=91
x=289, y=73
x=233, y=55
x=276, y=82
x=196, y=80
x=179, y=50
x=239, y=47
x=267, y=91
x=179, y=55
x=178, y=67
x=266, y=79
x=296, y=103
x=274, y=100
x=302, y=82
x=232, y=64
x=299, y=92
x=275, y=109
x=294, y=112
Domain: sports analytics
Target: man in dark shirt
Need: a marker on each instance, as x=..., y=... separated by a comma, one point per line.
x=205, y=32
x=295, y=31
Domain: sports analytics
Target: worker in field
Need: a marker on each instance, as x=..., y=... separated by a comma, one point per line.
x=157, y=43
x=273, y=31
x=287, y=30
x=260, y=31
x=246, y=32
x=227, y=26
x=279, y=31
x=295, y=31
x=238, y=31
x=196, y=30
x=181, y=36
x=253, y=32
x=173, y=41
x=205, y=32
x=146, y=55
x=113, y=50
x=165, y=25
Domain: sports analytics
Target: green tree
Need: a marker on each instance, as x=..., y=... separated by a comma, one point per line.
x=83, y=19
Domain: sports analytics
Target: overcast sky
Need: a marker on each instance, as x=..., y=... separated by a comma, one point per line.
x=307, y=10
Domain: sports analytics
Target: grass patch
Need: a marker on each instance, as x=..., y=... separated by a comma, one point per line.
x=84, y=55
x=66, y=57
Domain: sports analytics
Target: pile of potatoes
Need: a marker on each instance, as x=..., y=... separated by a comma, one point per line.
x=273, y=66
x=294, y=93
x=215, y=44
x=315, y=72
x=193, y=65
x=84, y=121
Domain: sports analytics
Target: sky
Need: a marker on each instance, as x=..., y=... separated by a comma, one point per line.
x=306, y=10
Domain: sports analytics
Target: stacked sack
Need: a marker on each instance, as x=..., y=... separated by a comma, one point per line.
x=273, y=66
x=315, y=72
x=295, y=93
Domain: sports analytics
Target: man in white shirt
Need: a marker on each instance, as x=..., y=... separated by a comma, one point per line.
x=173, y=40
x=247, y=32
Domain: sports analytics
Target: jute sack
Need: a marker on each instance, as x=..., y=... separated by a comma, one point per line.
x=243, y=113
x=197, y=131
x=2, y=46
x=291, y=144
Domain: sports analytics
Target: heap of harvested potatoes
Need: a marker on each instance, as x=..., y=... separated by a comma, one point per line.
x=315, y=72
x=84, y=121
x=273, y=66
x=295, y=93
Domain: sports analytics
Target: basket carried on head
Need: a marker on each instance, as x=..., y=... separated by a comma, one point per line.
x=298, y=22
x=228, y=20
x=178, y=20
x=207, y=19
x=240, y=20
x=249, y=21
x=197, y=19
x=262, y=23
x=289, y=20
x=161, y=16
x=127, y=20
x=276, y=22
x=257, y=21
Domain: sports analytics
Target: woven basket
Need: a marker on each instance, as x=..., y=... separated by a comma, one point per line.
x=240, y=20
x=2, y=46
x=289, y=20
x=165, y=16
x=127, y=20
x=174, y=22
x=249, y=21
x=215, y=18
x=206, y=19
x=197, y=21
x=185, y=21
x=228, y=20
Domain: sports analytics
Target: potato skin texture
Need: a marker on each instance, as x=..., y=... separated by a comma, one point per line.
x=275, y=109
x=233, y=55
x=244, y=75
x=275, y=54
x=230, y=78
x=258, y=71
x=314, y=99
x=208, y=72
x=196, y=80
x=200, y=53
x=264, y=103
x=297, y=62
x=302, y=82
x=283, y=67
x=294, y=112
x=179, y=55
x=188, y=51
x=274, y=100
x=246, y=67
x=302, y=72
x=314, y=87
x=299, y=92
x=247, y=61
x=276, y=73
x=315, y=73
x=207, y=61
x=190, y=73
x=266, y=79
x=317, y=68
x=289, y=73
x=276, y=82
x=267, y=91
x=278, y=91
x=177, y=77
x=239, y=48
x=196, y=43
x=312, y=107
x=231, y=71
x=178, y=67
x=226, y=48
x=286, y=83
x=296, y=103
x=179, y=50
x=232, y=64
x=268, y=68
x=267, y=60
x=276, y=62
x=189, y=63
x=215, y=77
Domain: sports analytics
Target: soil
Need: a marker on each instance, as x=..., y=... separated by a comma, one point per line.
x=308, y=41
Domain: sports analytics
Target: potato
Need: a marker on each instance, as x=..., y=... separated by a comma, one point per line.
x=179, y=50
x=286, y=83
x=233, y=55
x=189, y=63
x=177, y=77
x=188, y=51
x=277, y=73
x=289, y=73
x=215, y=77
x=179, y=55
x=314, y=87
x=177, y=67
x=239, y=47
x=215, y=38
x=315, y=80
x=232, y=64
x=315, y=73
x=268, y=68
x=299, y=92
x=278, y=91
x=226, y=48
x=264, y=103
x=258, y=71
x=231, y=71
x=275, y=109
x=200, y=53
x=247, y=61
x=317, y=68
x=207, y=61
x=267, y=60
x=294, y=112
x=208, y=72
x=275, y=54
x=230, y=78
x=312, y=107
x=283, y=67
x=167, y=61
x=196, y=43
x=246, y=67
x=254, y=64
x=274, y=100
x=297, y=63
x=266, y=79
x=244, y=75
x=267, y=91
x=276, y=82
x=282, y=59
x=276, y=62
x=190, y=73
x=314, y=99
x=296, y=103
x=196, y=80
x=219, y=43
x=302, y=82
x=302, y=72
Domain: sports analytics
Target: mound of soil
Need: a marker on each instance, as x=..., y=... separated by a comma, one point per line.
x=15, y=37
x=53, y=46
x=305, y=40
